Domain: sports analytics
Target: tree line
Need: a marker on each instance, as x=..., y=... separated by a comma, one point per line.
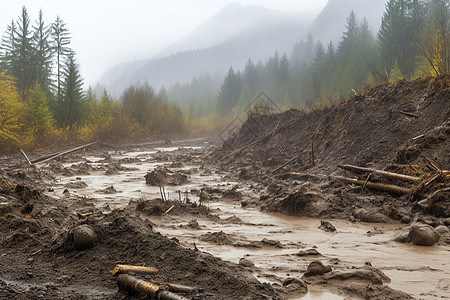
x=43, y=101
x=413, y=41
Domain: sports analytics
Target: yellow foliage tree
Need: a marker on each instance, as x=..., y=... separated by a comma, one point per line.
x=11, y=114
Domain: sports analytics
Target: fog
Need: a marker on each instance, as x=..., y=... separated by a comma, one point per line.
x=107, y=33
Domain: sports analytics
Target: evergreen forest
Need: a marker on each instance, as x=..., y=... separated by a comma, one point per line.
x=44, y=101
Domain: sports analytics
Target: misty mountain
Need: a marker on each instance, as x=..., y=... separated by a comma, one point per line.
x=330, y=23
x=235, y=34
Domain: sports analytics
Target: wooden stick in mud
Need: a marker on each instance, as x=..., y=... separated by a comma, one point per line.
x=377, y=186
x=139, y=286
x=28, y=160
x=286, y=163
x=121, y=269
x=167, y=211
x=384, y=173
x=53, y=156
x=412, y=115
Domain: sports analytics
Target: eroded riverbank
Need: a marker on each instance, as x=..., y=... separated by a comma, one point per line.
x=274, y=247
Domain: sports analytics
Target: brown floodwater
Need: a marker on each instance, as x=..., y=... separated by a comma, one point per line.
x=423, y=272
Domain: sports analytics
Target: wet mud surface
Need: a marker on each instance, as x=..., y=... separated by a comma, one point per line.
x=217, y=216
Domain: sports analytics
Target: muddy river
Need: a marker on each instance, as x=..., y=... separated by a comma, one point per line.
x=423, y=272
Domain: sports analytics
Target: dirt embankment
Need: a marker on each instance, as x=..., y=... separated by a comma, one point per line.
x=403, y=128
x=43, y=257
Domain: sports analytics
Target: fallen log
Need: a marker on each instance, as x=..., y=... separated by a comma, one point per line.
x=152, y=289
x=58, y=154
x=121, y=269
x=377, y=186
x=384, y=173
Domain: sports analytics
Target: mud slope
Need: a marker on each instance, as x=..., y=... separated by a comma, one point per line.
x=39, y=259
x=391, y=127
x=364, y=130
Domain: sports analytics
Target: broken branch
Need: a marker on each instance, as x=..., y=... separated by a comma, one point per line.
x=378, y=186
x=121, y=269
x=139, y=286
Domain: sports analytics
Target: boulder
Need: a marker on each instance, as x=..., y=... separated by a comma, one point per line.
x=422, y=235
x=246, y=263
x=316, y=268
x=84, y=237
x=294, y=285
x=442, y=230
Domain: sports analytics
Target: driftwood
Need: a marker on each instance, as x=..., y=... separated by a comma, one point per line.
x=384, y=173
x=46, y=158
x=121, y=269
x=378, y=186
x=152, y=289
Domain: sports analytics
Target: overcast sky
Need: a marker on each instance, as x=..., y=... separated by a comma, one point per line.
x=108, y=32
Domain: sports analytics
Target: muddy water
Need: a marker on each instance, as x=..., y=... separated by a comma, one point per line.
x=423, y=272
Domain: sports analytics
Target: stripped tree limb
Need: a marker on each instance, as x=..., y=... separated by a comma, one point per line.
x=384, y=173
x=377, y=186
x=121, y=269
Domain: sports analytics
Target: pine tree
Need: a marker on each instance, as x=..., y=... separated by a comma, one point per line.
x=70, y=108
x=349, y=36
x=43, y=55
x=398, y=35
x=24, y=63
x=7, y=49
x=60, y=41
x=229, y=92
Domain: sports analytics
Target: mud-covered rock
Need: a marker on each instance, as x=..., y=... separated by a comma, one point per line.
x=316, y=268
x=246, y=263
x=232, y=194
x=295, y=285
x=370, y=216
x=419, y=234
x=371, y=275
x=164, y=176
x=327, y=226
x=437, y=204
x=442, y=230
x=84, y=237
x=308, y=252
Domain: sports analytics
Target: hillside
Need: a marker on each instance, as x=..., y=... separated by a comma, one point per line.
x=404, y=128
